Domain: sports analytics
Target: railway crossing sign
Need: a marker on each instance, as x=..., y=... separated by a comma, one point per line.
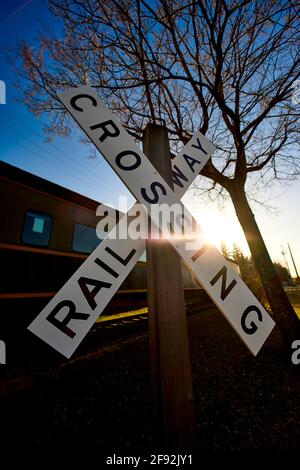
x=67, y=318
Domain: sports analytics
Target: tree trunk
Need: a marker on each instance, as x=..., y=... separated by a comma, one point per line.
x=284, y=314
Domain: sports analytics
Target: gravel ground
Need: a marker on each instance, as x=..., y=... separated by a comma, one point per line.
x=102, y=400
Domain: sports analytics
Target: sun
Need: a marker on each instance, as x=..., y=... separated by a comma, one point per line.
x=221, y=227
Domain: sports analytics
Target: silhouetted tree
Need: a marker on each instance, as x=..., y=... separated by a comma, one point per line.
x=283, y=273
x=224, y=250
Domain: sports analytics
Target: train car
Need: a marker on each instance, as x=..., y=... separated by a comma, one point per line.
x=46, y=232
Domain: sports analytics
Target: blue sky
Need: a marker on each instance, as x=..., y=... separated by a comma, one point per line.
x=66, y=161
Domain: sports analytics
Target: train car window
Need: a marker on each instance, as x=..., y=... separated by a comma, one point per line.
x=85, y=238
x=37, y=228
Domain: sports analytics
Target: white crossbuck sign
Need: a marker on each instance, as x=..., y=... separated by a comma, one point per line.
x=68, y=317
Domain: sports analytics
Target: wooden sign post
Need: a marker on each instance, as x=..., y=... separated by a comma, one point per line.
x=174, y=420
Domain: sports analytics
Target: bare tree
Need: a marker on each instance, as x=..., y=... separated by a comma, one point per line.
x=225, y=67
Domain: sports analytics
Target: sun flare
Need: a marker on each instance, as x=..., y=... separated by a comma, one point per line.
x=221, y=227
